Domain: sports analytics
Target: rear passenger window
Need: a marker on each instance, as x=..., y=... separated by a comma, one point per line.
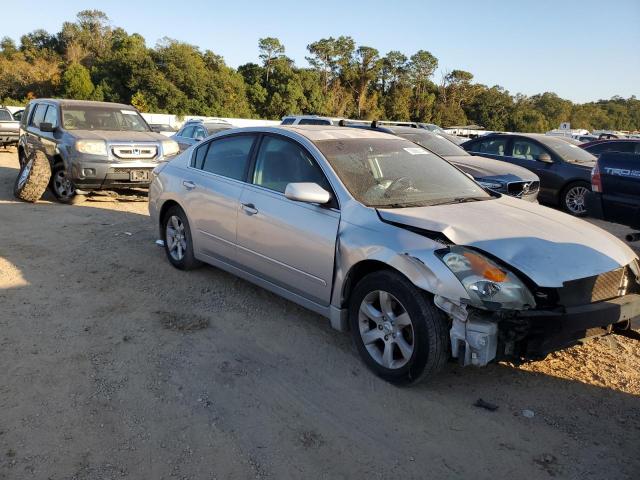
x=497, y=146
x=38, y=115
x=228, y=156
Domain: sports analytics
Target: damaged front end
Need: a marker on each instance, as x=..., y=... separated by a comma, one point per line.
x=509, y=317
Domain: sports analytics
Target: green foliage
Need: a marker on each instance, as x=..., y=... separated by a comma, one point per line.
x=76, y=82
x=90, y=58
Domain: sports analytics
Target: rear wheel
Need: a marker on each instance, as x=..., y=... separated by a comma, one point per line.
x=33, y=178
x=573, y=198
x=177, y=239
x=399, y=333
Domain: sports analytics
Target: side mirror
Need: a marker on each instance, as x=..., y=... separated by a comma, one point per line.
x=544, y=158
x=47, y=127
x=307, y=193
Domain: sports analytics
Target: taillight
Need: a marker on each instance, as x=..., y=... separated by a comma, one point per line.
x=596, y=179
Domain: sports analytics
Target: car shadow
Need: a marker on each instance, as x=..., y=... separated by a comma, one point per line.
x=135, y=359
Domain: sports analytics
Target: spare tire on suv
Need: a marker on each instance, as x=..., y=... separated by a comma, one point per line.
x=33, y=178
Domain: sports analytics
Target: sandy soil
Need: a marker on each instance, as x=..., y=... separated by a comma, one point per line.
x=115, y=365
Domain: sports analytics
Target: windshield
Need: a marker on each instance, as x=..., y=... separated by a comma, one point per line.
x=568, y=151
x=436, y=143
x=388, y=173
x=102, y=118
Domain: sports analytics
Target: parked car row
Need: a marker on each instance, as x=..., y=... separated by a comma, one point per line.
x=392, y=232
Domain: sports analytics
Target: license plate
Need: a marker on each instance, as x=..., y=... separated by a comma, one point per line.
x=139, y=175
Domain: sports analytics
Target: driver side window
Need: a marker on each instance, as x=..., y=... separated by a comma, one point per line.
x=281, y=162
x=526, y=150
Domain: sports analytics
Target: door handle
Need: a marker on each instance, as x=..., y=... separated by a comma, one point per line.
x=188, y=184
x=249, y=208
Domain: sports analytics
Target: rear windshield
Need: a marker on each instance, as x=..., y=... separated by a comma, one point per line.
x=436, y=143
x=5, y=116
x=394, y=173
x=102, y=118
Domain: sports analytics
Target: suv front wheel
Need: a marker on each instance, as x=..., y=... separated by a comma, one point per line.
x=401, y=336
x=61, y=185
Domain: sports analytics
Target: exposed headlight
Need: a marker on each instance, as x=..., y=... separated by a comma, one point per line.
x=170, y=148
x=489, y=285
x=490, y=185
x=92, y=147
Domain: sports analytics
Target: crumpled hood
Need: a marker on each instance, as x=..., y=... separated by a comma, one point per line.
x=118, y=136
x=480, y=167
x=548, y=246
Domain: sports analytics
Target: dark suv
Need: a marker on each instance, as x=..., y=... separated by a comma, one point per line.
x=88, y=145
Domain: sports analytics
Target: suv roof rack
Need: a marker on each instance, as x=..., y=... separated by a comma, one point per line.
x=390, y=122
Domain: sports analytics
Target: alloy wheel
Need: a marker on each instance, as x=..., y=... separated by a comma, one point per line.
x=386, y=329
x=175, y=238
x=575, y=199
x=62, y=185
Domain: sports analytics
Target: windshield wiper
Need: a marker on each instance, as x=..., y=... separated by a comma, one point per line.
x=461, y=200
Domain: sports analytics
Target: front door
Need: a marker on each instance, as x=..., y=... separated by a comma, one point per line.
x=524, y=153
x=289, y=243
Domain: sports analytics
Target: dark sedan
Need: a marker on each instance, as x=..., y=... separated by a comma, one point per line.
x=493, y=175
x=598, y=147
x=564, y=169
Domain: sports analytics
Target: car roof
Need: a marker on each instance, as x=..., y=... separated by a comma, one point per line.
x=330, y=132
x=84, y=103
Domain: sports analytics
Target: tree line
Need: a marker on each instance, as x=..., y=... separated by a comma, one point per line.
x=91, y=59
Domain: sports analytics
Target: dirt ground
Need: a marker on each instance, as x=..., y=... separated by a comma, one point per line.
x=116, y=365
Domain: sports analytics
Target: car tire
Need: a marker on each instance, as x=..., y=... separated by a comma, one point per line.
x=175, y=228
x=572, y=199
x=61, y=185
x=33, y=178
x=400, y=349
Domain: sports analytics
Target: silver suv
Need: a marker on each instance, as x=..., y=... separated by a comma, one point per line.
x=88, y=146
x=391, y=241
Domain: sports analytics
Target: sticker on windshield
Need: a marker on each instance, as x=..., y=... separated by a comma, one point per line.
x=416, y=151
x=128, y=112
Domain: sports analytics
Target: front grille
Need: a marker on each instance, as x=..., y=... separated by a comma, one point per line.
x=135, y=152
x=598, y=288
x=518, y=189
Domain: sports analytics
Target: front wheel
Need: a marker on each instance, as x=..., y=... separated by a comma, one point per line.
x=573, y=198
x=61, y=185
x=399, y=333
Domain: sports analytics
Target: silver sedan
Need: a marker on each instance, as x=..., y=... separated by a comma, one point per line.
x=395, y=244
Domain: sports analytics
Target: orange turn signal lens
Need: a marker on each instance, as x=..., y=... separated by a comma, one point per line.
x=482, y=267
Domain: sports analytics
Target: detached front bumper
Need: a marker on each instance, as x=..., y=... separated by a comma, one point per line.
x=554, y=330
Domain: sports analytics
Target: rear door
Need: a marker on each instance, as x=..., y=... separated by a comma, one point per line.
x=212, y=185
x=291, y=244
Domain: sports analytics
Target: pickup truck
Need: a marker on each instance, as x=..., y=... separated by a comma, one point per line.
x=9, y=128
x=615, y=183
